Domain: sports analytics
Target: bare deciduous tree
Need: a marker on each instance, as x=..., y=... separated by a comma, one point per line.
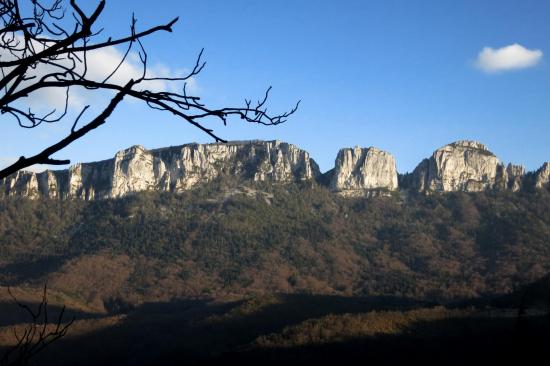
x=46, y=44
x=36, y=335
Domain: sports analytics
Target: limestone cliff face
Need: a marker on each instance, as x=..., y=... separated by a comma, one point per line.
x=466, y=166
x=21, y=183
x=273, y=161
x=168, y=169
x=515, y=175
x=48, y=184
x=542, y=176
x=360, y=171
x=460, y=166
x=133, y=171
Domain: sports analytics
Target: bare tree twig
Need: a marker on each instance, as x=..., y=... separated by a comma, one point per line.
x=39, y=52
x=38, y=334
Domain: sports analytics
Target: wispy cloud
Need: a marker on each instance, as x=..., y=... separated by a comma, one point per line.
x=510, y=57
x=100, y=64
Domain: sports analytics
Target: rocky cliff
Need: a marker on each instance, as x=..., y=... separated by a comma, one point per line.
x=542, y=176
x=466, y=166
x=460, y=166
x=514, y=177
x=168, y=169
x=363, y=171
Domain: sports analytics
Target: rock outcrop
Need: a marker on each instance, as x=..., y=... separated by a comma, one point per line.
x=466, y=166
x=542, y=176
x=363, y=171
x=515, y=175
x=23, y=182
x=168, y=169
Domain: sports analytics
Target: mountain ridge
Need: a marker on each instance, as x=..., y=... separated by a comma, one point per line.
x=463, y=165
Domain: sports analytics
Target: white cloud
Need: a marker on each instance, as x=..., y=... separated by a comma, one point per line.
x=100, y=64
x=510, y=57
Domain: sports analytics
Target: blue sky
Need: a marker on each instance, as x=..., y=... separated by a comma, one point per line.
x=399, y=75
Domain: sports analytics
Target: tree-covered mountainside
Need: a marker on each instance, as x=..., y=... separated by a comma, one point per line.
x=225, y=239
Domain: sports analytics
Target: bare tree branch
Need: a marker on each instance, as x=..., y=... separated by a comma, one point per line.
x=45, y=156
x=38, y=334
x=41, y=50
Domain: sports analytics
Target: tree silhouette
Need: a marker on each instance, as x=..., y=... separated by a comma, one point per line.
x=38, y=334
x=47, y=44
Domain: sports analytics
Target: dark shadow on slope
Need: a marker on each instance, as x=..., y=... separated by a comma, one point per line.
x=12, y=314
x=15, y=274
x=200, y=330
x=195, y=332
x=534, y=295
x=444, y=342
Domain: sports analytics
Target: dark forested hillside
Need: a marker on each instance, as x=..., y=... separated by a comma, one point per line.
x=227, y=239
x=292, y=273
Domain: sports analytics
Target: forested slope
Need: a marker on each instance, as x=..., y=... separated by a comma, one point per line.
x=226, y=239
